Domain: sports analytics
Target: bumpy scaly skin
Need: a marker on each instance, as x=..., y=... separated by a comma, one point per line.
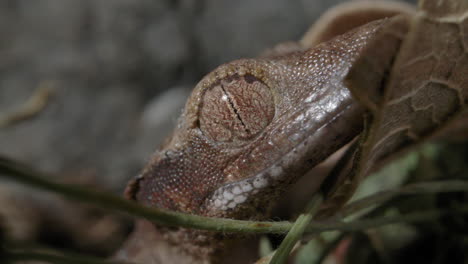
x=253, y=124
x=249, y=129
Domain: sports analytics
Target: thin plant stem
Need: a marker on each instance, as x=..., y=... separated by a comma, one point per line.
x=25, y=175
x=282, y=253
x=410, y=189
x=36, y=103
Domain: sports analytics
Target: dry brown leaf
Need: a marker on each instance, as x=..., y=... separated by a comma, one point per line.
x=423, y=96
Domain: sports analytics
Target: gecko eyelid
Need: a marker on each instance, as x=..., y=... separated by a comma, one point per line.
x=236, y=108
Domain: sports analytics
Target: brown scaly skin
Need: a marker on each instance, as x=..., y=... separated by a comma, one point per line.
x=249, y=129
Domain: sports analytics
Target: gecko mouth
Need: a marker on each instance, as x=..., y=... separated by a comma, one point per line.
x=325, y=138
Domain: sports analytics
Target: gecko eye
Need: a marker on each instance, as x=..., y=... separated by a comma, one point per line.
x=236, y=108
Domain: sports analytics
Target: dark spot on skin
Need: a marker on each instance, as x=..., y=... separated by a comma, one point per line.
x=250, y=78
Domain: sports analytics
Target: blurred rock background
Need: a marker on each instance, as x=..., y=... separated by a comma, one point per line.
x=120, y=71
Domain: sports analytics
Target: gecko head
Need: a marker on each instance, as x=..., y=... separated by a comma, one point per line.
x=225, y=119
x=250, y=128
x=241, y=139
